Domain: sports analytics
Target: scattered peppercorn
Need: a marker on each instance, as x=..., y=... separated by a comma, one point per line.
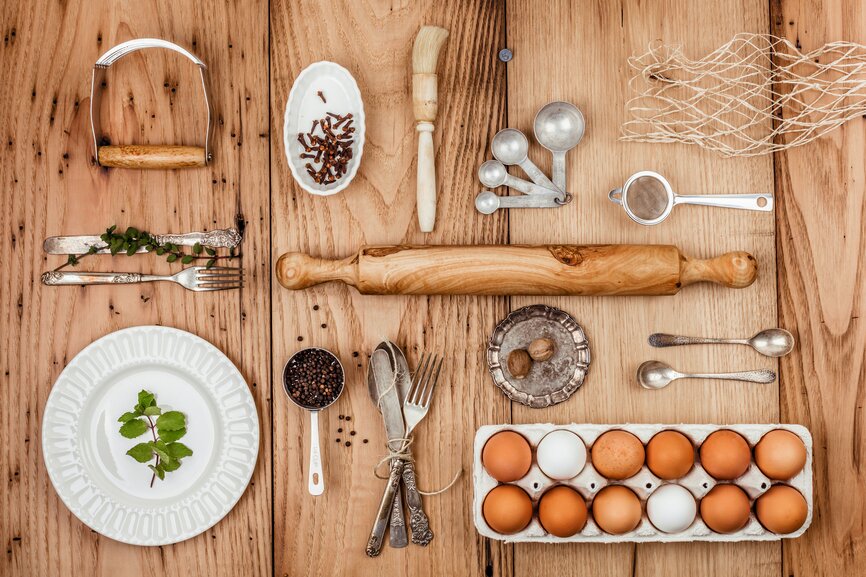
x=352, y=433
x=348, y=418
x=366, y=441
x=341, y=417
x=315, y=307
x=348, y=444
x=300, y=339
x=338, y=440
x=314, y=378
x=340, y=430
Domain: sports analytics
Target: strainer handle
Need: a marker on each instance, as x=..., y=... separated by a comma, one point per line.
x=759, y=202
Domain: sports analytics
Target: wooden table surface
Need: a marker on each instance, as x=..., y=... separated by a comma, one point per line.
x=810, y=278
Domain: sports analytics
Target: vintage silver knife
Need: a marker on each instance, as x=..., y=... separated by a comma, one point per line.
x=221, y=238
x=418, y=521
x=398, y=536
x=395, y=429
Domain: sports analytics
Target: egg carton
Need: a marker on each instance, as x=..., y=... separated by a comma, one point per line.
x=589, y=482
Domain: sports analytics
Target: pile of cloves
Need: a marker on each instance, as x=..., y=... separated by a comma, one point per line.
x=331, y=149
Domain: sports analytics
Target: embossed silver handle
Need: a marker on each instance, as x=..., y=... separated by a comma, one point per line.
x=377, y=535
x=759, y=376
x=63, y=278
x=397, y=536
x=661, y=340
x=418, y=521
x=222, y=238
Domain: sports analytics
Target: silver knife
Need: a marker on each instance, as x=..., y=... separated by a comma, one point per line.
x=395, y=428
x=418, y=521
x=221, y=238
x=397, y=536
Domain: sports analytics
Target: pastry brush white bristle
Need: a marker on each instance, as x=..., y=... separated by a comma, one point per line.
x=425, y=53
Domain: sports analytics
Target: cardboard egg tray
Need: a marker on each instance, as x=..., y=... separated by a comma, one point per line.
x=588, y=483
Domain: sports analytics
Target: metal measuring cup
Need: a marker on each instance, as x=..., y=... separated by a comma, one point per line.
x=316, y=478
x=648, y=199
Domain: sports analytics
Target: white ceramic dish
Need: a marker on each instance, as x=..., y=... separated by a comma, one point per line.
x=589, y=482
x=304, y=106
x=86, y=456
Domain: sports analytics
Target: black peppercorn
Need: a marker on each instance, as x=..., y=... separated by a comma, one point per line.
x=314, y=378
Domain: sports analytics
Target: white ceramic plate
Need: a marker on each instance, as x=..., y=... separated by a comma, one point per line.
x=86, y=456
x=304, y=106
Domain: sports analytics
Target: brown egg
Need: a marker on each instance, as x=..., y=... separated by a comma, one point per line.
x=725, y=455
x=507, y=456
x=670, y=455
x=780, y=454
x=562, y=511
x=617, y=455
x=782, y=509
x=507, y=509
x=725, y=508
x=616, y=509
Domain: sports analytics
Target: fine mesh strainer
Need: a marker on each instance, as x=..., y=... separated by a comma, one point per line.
x=647, y=198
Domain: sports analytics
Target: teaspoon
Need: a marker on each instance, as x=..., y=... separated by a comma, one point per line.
x=510, y=146
x=493, y=174
x=658, y=375
x=770, y=342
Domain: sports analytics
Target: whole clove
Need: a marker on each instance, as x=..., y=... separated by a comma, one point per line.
x=329, y=147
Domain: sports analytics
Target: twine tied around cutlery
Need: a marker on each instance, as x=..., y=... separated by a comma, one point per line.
x=404, y=453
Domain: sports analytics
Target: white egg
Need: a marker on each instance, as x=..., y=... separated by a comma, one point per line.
x=671, y=508
x=561, y=455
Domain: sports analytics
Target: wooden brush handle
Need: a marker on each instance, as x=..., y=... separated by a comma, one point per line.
x=426, y=193
x=151, y=156
x=518, y=270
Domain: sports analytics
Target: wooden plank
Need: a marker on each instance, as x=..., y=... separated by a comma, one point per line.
x=327, y=535
x=577, y=52
x=51, y=186
x=820, y=242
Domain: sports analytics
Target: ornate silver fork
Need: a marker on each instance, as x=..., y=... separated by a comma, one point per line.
x=194, y=278
x=415, y=408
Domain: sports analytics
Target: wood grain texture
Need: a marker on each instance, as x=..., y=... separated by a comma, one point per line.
x=51, y=186
x=577, y=52
x=152, y=156
x=820, y=240
x=327, y=535
x=565, y=269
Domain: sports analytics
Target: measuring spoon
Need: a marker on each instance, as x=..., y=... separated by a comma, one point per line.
x=493, y=174
x=487, y=202
x=316, y=477
x=648, y=199
x=658, y=375
x=559, y=127
x=510, y=147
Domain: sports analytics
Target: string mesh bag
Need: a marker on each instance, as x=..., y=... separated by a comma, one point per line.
x=755, y=95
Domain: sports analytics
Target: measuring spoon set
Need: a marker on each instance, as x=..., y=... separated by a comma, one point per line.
x=558, y=127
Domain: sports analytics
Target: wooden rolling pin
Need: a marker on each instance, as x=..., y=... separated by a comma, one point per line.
x=518, y=270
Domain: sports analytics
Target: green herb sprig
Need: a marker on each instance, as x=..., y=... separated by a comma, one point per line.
x=168, y=428
x=129, y=241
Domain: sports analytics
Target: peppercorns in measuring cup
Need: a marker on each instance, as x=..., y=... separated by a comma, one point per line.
x=313, y=378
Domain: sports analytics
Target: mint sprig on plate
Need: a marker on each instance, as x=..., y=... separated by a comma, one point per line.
x=168, y=428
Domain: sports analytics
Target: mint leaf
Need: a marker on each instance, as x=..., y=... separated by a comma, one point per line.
x=133, y=428
x=152, y=411
x=160, y=451
x=127, y=417
x=178, y=450
x=171, y=436
x=171, y=421
x=159, y=471
x=141, y=452
x=146, y=398
x=170, y=466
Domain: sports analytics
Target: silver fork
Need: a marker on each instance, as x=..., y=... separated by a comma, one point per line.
x=194, y=278
x=415, y=408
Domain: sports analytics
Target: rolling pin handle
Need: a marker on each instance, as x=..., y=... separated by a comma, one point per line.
x=151, y=156
x=733, y=270
x=297, y=271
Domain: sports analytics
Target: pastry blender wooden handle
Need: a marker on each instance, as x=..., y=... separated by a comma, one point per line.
x=147, y=156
